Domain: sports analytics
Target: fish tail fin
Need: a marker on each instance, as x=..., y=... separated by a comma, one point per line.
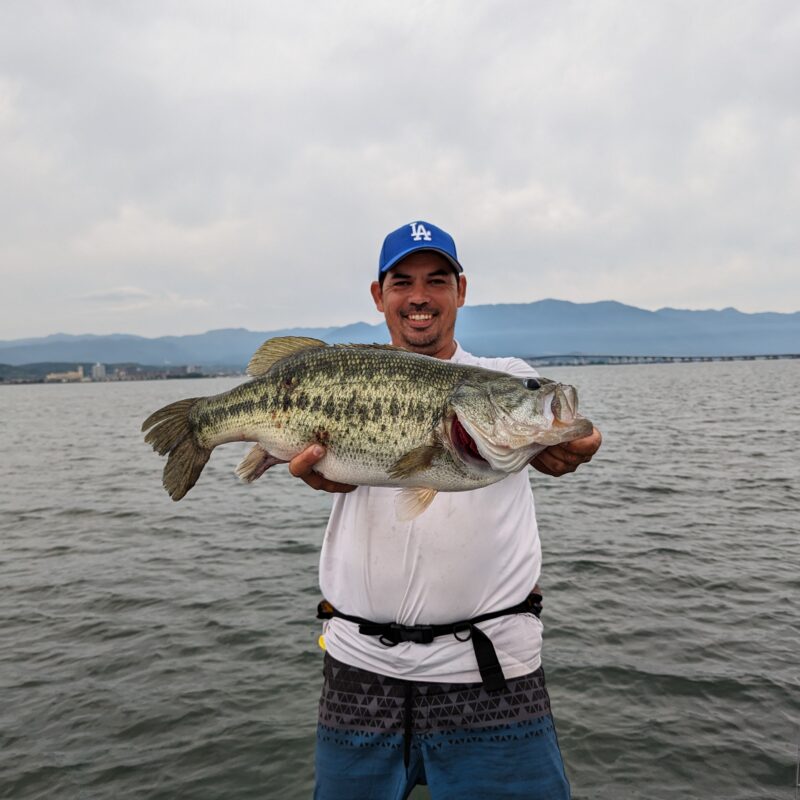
x=170, y=431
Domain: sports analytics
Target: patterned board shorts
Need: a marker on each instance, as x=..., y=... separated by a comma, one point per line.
x=378, y=737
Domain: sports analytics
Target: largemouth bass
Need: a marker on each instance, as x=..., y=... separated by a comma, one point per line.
x=386, y=416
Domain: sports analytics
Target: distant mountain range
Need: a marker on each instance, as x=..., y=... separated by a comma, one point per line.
x=542, y=328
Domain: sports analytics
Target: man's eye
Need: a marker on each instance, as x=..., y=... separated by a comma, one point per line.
x=532, y=383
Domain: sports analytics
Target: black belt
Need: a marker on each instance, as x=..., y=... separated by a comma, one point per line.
x=392, y=633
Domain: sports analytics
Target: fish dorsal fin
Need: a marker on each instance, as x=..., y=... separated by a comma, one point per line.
x=274, y=350
x=373, y=347
x=410, y=503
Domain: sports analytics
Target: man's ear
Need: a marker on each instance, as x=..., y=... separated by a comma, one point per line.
x=462, y=290
x=377, y=295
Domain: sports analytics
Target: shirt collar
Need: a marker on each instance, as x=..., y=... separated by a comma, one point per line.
x=459, y=355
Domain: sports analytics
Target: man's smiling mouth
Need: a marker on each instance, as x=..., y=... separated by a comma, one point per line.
x=419, y=317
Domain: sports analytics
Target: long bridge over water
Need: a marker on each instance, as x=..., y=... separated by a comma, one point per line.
x=580, y=359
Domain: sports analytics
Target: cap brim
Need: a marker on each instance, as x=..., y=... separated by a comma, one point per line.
x=401, y=256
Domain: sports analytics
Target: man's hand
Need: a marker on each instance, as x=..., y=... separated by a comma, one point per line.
x=301, y=466
x=563, y=458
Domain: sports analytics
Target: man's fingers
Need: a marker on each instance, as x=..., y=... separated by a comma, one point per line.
x=560, y=455
x=540, y=464
x=301, y=465
x=567, y=457
x=586, y=445
x=572, y=458
x=313, y=479
x=553, y=462
x=333, y=486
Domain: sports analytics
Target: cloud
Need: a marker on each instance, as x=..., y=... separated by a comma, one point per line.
x=132, y=298
x=136, y=236
x=252, y=157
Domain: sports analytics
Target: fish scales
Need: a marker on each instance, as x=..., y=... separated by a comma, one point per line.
x=387, y=417
x=367, y=413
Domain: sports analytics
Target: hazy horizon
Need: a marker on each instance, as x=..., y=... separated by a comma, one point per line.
x=360, y=321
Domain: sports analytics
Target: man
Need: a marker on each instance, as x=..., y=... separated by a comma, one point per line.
x=402, y=708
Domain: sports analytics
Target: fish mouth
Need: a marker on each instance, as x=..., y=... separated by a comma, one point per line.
x=561, y=412
x=563, y=406
x=464, y=444
x=508, y=443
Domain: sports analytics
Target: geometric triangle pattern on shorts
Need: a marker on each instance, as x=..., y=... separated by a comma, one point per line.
x=357, y=700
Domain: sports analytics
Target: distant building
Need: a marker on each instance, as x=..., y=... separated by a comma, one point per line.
x=65, y=377
x=99, y=372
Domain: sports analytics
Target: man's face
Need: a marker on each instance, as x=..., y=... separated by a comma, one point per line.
x=419, y=298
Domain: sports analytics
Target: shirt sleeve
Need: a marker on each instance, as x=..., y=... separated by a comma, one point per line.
x=518, y=368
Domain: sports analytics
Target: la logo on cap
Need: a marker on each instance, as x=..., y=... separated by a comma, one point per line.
x=419, y=233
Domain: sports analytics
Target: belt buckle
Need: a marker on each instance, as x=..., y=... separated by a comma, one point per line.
x=419, y=634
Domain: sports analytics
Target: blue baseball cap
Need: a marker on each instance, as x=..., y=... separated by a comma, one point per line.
x=413, y=237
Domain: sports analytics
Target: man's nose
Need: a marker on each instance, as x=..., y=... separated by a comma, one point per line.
x=419, y=294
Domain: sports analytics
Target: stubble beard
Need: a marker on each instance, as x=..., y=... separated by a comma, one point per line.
x=425, y=343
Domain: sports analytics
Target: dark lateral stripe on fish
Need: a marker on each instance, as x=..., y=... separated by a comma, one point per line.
x=212, y=417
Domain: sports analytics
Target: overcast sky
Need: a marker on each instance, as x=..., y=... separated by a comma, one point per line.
x=170, y=168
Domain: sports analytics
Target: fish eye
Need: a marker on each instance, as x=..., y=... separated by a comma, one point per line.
x=532, y=383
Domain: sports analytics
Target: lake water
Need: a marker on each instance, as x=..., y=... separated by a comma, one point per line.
x=153, y=649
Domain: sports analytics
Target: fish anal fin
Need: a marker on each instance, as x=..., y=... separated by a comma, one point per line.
x=414, y=461
x=410, y=503
x=256, y=463
x=273, y=350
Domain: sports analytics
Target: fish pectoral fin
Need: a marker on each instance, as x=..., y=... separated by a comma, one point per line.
x=256, y=463
x=410, y=503
x=414, y=461
x=273, y=350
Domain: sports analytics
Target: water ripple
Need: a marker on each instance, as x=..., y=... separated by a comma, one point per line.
x=160, y=650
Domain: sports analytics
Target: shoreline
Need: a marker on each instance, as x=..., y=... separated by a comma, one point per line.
x=573, y=360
